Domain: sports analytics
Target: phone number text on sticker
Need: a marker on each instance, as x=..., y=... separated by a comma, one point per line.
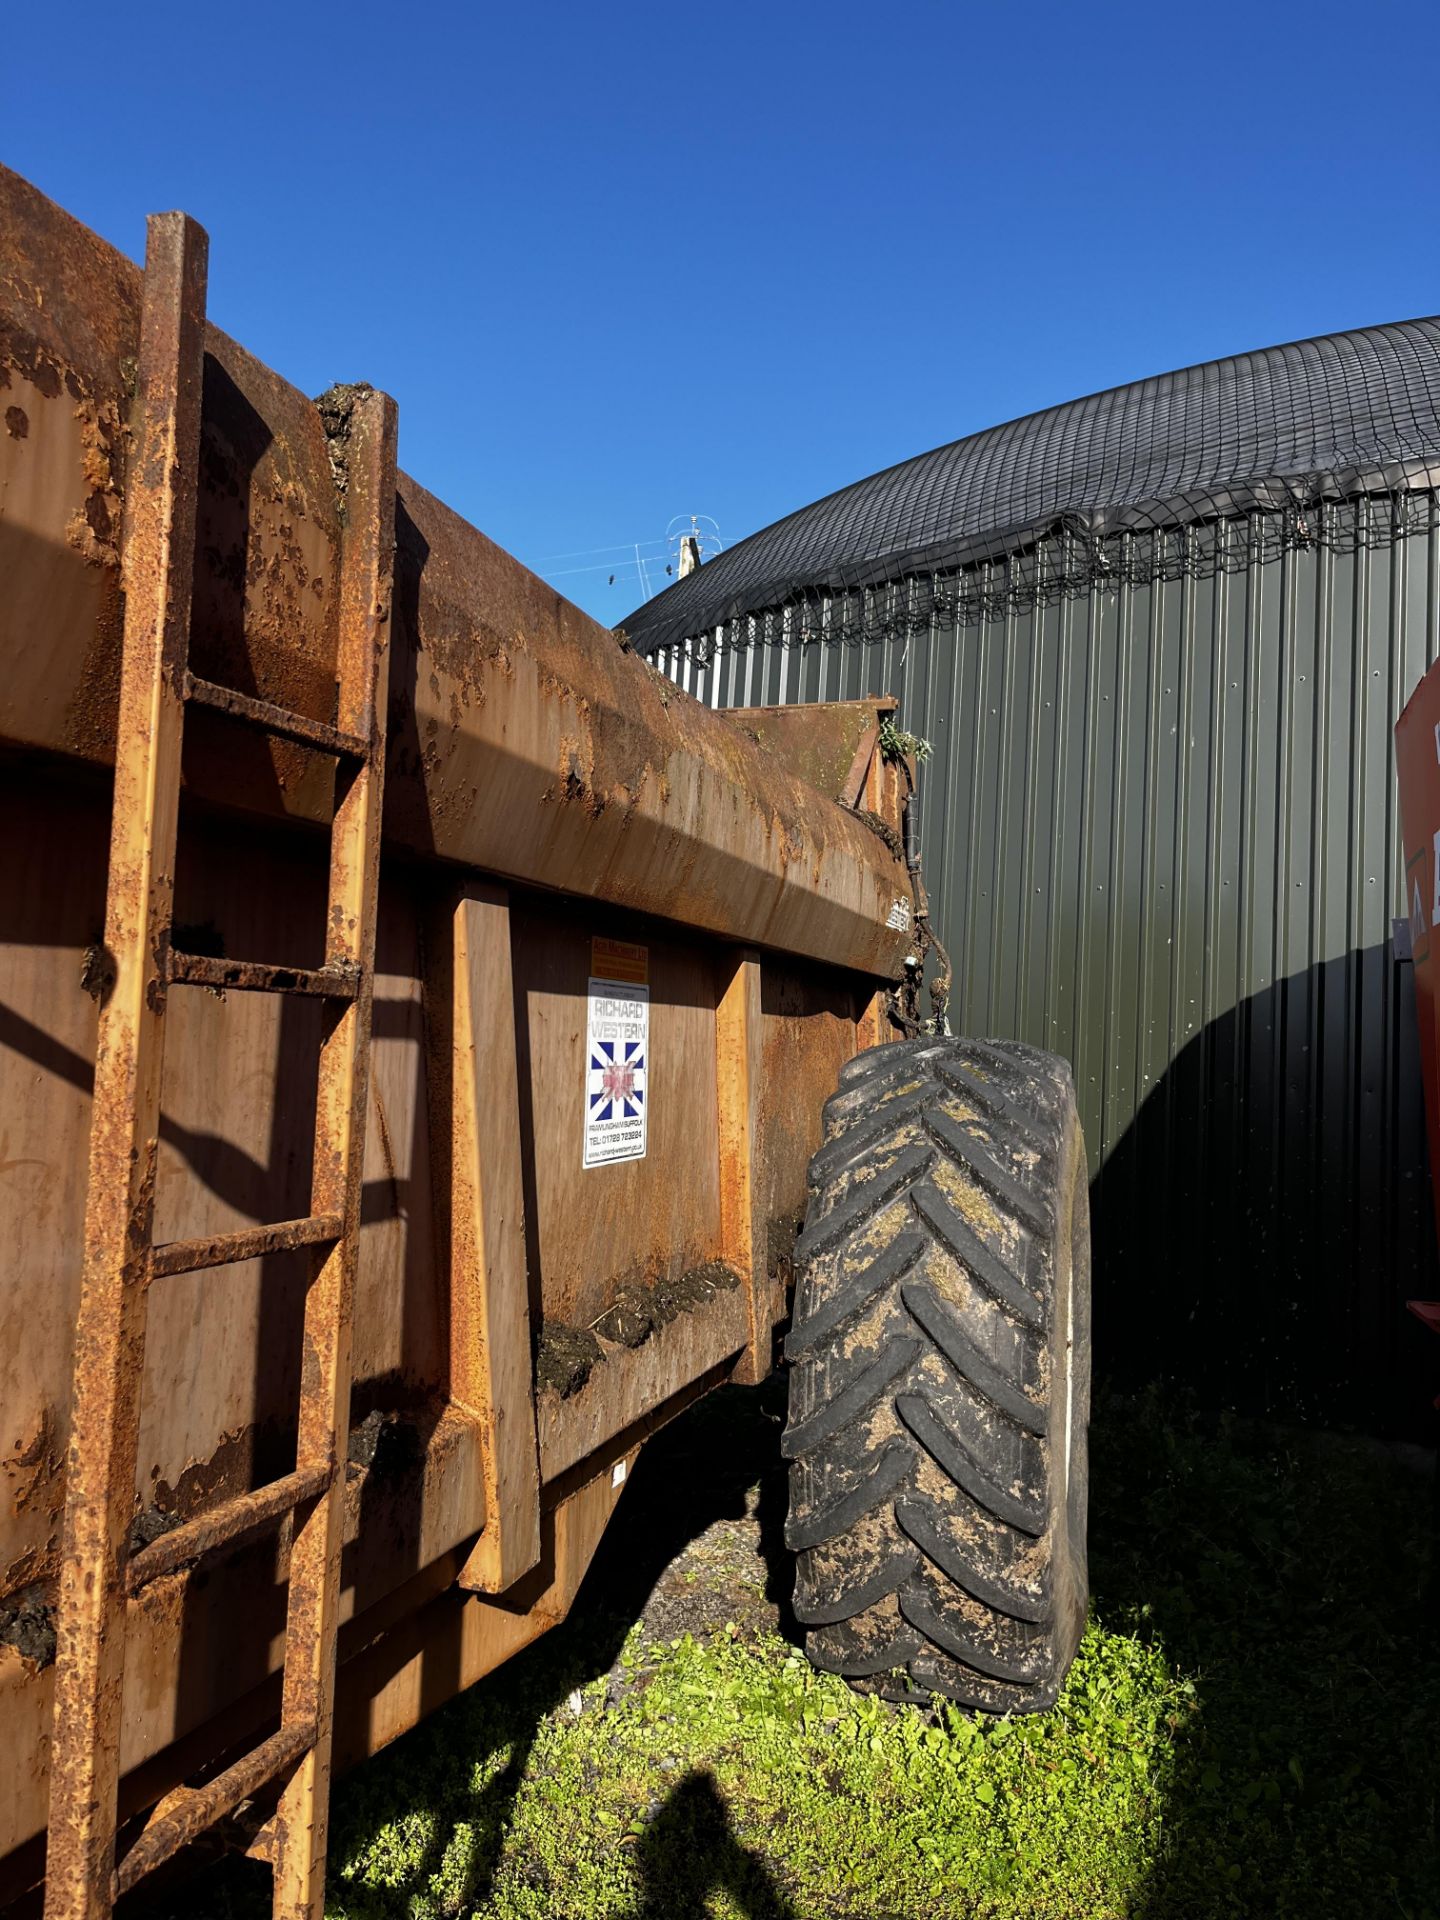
x=617, y=1074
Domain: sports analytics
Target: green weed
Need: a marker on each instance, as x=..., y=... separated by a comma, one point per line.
x=897, y=744
x=1252, y=1727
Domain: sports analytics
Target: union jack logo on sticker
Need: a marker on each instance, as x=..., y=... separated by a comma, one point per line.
x=617, y=1080
x=617, y=1052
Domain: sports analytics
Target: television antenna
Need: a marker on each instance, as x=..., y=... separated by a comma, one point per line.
x=690, y=540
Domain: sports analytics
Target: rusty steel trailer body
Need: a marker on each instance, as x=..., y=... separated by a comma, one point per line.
x=314, y=1250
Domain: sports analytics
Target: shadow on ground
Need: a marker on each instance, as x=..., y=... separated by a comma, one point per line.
x=668, y=1557
x=1287, y=1574
x=691, y=1844
x=1292, y=1574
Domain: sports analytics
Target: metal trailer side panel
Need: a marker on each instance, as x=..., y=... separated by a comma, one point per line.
x=522, y=739
x=545, y=792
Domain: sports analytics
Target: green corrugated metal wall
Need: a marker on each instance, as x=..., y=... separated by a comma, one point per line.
x=1160, y=832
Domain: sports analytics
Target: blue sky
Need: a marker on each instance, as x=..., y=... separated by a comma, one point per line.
x=620, y=264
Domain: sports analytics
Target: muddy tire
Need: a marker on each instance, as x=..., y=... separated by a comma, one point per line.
x=940, y=1383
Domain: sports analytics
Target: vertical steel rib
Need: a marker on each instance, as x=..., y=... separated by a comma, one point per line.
x=366, y=565
x=110, y=1328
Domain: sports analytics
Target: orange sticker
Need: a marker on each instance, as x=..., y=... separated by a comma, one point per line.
x=620, y=960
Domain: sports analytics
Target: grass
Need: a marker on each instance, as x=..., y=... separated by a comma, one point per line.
x=735, y=1772
x=1252, y=1725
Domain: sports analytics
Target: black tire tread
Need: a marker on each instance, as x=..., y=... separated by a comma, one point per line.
x=891, y=1264
x=918, y=1522
x=945, y=1328
x=850, y=1148
x=951, y=1454
x=933, y=1555
x=995, y=1105
x=837, y=1516
x=920, y=1610
x=1034, y=1211
x=845, y=1602
x=981, y=1260
x=877, y=1060
x=859, y=1393
x=860, y=1665
x=862, y=1202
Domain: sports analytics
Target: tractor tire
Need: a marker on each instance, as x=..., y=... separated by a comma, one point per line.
x=940, y=1378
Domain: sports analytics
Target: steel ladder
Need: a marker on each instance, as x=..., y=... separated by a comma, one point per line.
x=100, y=1577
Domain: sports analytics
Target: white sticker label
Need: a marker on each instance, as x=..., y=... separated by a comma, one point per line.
x=617, y=1078
x=899, y=916
x=617, y=1473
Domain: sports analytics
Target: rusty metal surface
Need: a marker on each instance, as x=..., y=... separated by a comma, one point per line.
x=560, y=759
x=223, y=1354
x=218, y=1526
x=628, y=1383
x=203, y=1640
x=853, y=785
x=125, y=1112
x=195, y=1809
x=337, y=981
x=131, y=983
x=337, y=1174
x=472, y=1066
x=807, y=1033
x=226, y=1249
x=390, y=1679
x=641, y=1221
x=523, y=740
x=272, y=719
x=235, y=1140
x=820, y=741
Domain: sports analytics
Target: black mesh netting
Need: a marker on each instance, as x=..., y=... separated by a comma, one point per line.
x=1119, y=485
x=1063, y=565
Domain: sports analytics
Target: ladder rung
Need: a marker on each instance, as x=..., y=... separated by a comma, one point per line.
x=273, y=719
x=223, y=1249
x=222, y=1524
x=189, y=1814
x=258, y=976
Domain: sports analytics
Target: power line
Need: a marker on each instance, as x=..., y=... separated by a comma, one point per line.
x=605, y=566
x=619, y=546
x=640, y=555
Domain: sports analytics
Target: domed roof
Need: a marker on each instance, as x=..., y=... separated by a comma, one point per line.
x=1349, y=413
